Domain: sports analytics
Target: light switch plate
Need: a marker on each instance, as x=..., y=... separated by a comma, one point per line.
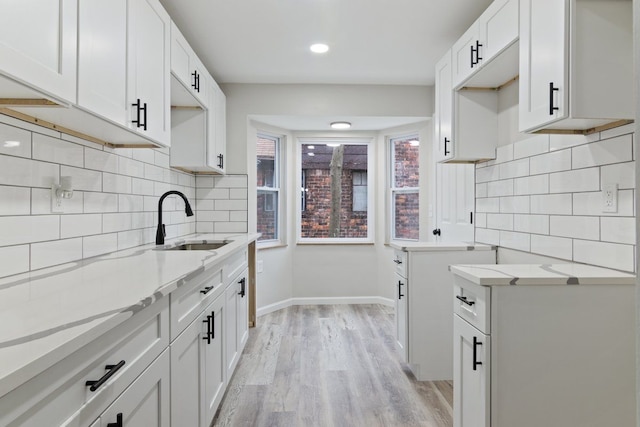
x=610, y=198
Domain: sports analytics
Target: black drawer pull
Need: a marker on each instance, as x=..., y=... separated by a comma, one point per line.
x=213, y=325
x=552, y=108
x=208, y=336
x=242, y=285
x=397, y=261
x=476, y=343
x=221, y=161
x=446, y=141
x=206, y=290
x=465, y=300
x=400, y=294
x=112, y=369
x=118, y=422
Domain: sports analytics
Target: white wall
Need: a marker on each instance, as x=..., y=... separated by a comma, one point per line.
x=636, y=50
x=319, y=271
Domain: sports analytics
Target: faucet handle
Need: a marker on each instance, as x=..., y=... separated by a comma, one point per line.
x=160, y=234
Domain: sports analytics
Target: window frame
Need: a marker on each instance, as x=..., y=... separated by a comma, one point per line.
x=369, y=143
x=276, y=190
x=393, y=190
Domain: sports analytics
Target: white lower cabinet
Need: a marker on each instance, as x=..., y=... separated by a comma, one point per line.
x=215, y=379
x=146, y=402
x=237, y=321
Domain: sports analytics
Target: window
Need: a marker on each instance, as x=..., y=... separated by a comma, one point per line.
x=335, y=196
x=268, y=187
x=404, y=187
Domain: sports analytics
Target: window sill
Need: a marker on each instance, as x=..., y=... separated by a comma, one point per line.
x=270, y=245
x=335, y=243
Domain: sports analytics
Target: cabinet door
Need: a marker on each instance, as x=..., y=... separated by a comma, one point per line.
x=471, y=376
x=243, y=311
x=186, y=66
x=188, y=374
x=498, y=27
x=148, y=80
x=102, y=58
x=444, y=109
x=465, y=59
x=544, y=38
x=217, y=136
x=146, y=401
x=230, y=329
x=38, y=44
x=402, y=317
x=455, y=201
x=214, y=376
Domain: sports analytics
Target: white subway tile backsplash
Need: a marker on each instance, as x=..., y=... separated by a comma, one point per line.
x=489, y=173
x=212, y=193
x=81, y=141
x=496, y=188
x=28, y=126
x=551, y=162
x=487, y=236
x=530, y=147
x=620, y=130
x=230, y=227
x=154, y=173
x=100, y=202
x=504, y=154
x=488, y=205
x=481, y=190
x=591, y=204
x=57, y=151
x=27, y=173
x=131, y=238
x=142, y=186
x=231, y=181
x=579, y=227
x=514, y=169
x=560, y=204
x=230, y=205
x=130, y=167
x=83, y=179
x=212, y=216
x=238, y=216
x=56, y=252
x=536, y=224
x=204, y=227
x=623, y=174
x=112, y=183
x=41, y=202
x=130, y=203
x=15, y=200
x=560, y=142
x=14, y=259
x=516, y=204
x=204, y=182
x=481, y=220
x=161, y=159
x=537, y=184
x=500, y=221
x=557, y=247
x=614, y=150
x=514, y=240
x=611, y=255
x=80, y=225
x=144, y=156
x=100, y=161
x=113, y=222
x=15, y=141
x=238, y=193
x=99, y=244
x=26, y=229
x=618, y=230
x=575, y=181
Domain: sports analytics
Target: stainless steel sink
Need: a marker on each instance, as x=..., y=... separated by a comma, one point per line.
x=200, y=245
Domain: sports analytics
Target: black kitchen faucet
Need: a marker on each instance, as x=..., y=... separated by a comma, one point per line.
x=160, y=232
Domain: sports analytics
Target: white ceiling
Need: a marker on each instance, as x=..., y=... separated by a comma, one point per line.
x=321, y=123
x=371, y=41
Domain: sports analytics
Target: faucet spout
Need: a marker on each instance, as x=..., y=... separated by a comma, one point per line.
x=160, y=232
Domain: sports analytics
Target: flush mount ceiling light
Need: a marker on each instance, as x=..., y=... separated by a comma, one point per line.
x=319, y=48
x=333, y=145
x=340, y=125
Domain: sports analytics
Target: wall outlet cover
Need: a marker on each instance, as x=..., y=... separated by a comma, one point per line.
x=610, y=198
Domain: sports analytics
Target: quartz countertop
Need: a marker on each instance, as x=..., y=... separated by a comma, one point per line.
x=542, y=274
x=45, y=315
x=410, y=246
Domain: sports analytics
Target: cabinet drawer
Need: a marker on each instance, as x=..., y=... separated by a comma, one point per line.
x=472, y=303
x=188, y=301
x=60, y=393
x=400, y=262
x=234, y=265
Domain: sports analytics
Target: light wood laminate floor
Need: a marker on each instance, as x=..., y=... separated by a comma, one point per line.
x=330, y=365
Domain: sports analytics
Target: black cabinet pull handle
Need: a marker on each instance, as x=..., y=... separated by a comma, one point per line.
x=446, y=141
x=551, y=90
x=198, y=83
x=213, y=325
x=476, y=343
x=471, y=217
x=118, y=422
x=242, y=284
x=140, y=108
x=472, y=61
x=137, y=120
x=400, y=294
x=221, y=161
x=397, y=261
x=436, y=232
x=478, y=57
x=208, y=336
x=206, y=290
x=194, y=85
x=144, y=116
x=111, y=369
x=465, y=300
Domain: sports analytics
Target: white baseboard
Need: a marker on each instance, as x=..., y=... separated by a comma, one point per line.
x=322, y=301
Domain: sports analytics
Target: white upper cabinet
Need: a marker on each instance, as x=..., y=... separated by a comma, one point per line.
x=492, y=33
x=102, y=58
x=576, y=65
x=148, y=87
x=38, y=41
x=444, y=108
x=186, y=66
x=218, y=132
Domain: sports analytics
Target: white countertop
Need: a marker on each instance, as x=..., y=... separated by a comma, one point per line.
x=47, y=314
x=410, y=246
x=542, y=274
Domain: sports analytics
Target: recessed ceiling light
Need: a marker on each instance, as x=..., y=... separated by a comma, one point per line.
x=319, y=48
x=10, y=144
x=414, y=143
x=333, y=145
x=340, y=125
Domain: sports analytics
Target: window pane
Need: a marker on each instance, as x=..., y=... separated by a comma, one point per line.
x=267, y=214
x=405, y=207
x=405, y=154
x=266, y=155
x=334, y=192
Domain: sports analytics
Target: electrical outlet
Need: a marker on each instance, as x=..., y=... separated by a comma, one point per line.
x=610, y=198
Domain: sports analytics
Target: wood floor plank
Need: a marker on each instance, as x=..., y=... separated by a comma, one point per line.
x=330, y=366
